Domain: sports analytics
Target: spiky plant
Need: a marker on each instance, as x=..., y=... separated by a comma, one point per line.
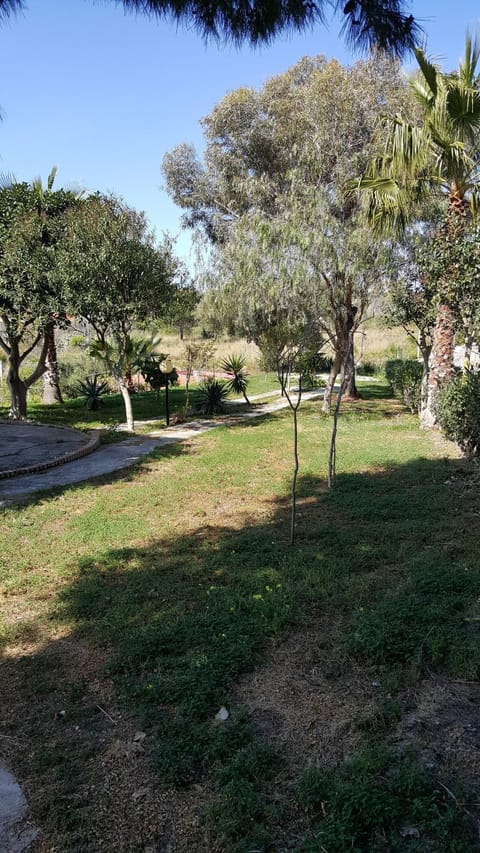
x=212, y=395
x=92, y=390
x=234, y=366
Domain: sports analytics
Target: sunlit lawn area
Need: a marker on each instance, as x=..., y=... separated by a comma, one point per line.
x=146, y=406
x=135, y=608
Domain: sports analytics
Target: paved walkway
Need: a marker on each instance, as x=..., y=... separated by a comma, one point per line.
x=109, y=458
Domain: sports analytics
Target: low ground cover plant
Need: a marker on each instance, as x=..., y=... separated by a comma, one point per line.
x=162, y=604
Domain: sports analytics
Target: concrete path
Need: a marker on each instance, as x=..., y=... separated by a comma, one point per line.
x=17, y=832
x=114, y=457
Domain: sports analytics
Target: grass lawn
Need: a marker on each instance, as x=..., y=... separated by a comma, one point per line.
x=72, y=413
x=135, y=608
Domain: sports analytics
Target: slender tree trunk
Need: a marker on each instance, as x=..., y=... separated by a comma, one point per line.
x=441, y=363
x=293, y=517
x=127, y=401
x=425, y=350
x=334, y=371
x=468, y=350
x=51, y=388
x=349, y=386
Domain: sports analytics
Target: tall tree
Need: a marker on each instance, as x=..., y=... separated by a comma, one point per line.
x=117, y=278
x=367, y=23
x=31, y=296
x=441, y=152
x=291, y=148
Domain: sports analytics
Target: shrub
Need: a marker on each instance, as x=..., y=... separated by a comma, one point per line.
x=367, y=368
x=459, y=411
x=92, y=390
x=234, y=366
x=405, y=379
x=211, y=396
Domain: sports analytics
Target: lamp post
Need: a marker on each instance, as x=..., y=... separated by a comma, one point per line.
x=167, y=368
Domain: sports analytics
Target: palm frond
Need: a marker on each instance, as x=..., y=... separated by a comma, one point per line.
x=10, y=7
x=467, y=69
x=428, y=70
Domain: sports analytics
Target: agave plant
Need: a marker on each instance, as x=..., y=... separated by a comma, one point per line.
x=234, y=366
x=212, y=395
x=92, y=390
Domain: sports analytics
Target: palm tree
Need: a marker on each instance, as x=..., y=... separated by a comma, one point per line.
x=367, y=23
x=439, y=154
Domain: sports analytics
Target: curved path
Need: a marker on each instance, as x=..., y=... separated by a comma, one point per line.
x=109, y=458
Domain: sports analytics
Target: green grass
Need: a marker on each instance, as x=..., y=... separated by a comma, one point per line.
x=72, y=413
x=181, y=573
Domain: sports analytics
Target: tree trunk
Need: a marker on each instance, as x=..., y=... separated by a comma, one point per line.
x=425, y=351
x=468, y=351
x=441, y=363
x=334, y=371
x=18, y=392
x=348, y=376
x=127, y=401
x=51, y=388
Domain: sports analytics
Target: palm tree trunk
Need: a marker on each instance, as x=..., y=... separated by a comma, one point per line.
x=51, y=387
x=441, y=363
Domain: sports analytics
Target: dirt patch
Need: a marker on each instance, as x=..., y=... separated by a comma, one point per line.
x=85, y=766
x=307, y=699
x=445, y=725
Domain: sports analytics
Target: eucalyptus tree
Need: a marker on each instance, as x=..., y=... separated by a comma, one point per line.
x=285, y=154
x=438, y=153
x=32, y=298
x=367, y=23
x=118, y=279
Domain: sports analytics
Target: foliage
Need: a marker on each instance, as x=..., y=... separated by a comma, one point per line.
x=234, y=366
x=459, y=411
x=405, y=379
x=92, y=391
x=450, y=262
x=152, y=372
x=74, y=364
x=291, y=251
x=117, y=278
x=211, y=396
x=31, y=289
x=379, y=23
x=380, y=801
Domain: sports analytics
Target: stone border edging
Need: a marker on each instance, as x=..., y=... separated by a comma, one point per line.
x=91, y=445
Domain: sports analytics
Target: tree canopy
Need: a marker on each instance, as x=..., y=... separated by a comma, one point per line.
x=366, y=24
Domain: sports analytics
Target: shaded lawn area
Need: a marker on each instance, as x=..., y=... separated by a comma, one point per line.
x=153, y=597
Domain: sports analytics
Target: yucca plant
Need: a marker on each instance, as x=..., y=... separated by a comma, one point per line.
x=212, y=395
x=234, y=366
x=92, y=391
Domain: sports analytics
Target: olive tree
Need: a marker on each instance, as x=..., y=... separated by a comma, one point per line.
x=118, y=279
x=32, y=296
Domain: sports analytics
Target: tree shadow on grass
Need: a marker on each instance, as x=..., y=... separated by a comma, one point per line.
x=161, y=634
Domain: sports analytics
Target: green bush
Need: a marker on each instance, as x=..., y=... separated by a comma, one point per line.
x=405, y=379
x=459, y=411
x=211, y=396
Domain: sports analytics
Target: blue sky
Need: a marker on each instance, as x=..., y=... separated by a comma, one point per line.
x=103, y=95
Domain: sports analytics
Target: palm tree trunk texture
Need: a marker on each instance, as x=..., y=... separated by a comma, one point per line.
x=441, y=363
x=51, y=387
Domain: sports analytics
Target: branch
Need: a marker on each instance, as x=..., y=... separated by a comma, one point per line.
x=40, y=368
x=30, y=348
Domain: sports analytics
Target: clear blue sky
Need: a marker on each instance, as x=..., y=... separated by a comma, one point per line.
x=103, y=95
